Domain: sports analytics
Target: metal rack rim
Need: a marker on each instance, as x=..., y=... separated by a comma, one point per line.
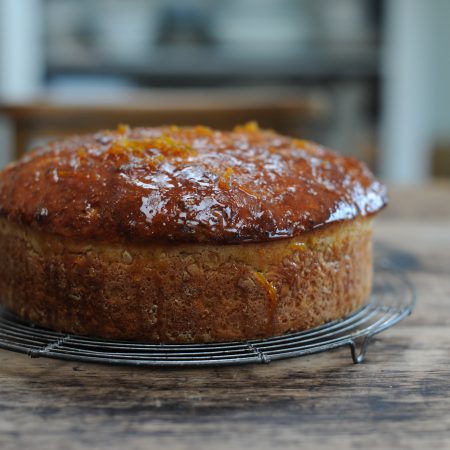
x=392, y=300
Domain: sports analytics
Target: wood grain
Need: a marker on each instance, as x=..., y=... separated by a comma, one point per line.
x=399, y=398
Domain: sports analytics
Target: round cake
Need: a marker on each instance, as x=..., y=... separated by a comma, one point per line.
x=185, y=234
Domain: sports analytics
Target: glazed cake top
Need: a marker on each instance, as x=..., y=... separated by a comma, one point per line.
x=185, y=184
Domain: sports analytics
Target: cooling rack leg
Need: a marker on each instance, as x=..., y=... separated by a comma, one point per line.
x=358, y=348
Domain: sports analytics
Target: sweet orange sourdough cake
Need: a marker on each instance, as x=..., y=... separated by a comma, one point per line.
x=185, y=234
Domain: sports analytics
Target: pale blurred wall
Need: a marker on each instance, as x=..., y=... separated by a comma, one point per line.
x=407, y=91
x=416, y=87
x=441, y=74
x=21, y=48
x=21, y=59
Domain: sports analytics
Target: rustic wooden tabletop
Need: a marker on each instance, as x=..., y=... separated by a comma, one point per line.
x=399, y=398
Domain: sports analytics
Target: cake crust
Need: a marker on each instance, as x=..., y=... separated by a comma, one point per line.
x=185, y=185
x=181, y=235
x=185, y=292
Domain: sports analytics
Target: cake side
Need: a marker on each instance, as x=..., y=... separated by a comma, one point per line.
x=186, y=292
x=190, y=184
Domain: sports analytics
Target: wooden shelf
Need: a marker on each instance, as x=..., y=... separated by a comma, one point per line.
x=213, y=63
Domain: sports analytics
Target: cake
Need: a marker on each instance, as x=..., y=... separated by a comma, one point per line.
x=185, y=234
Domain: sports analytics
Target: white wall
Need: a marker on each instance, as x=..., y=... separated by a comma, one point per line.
x=21, y=48
x=408, y=90
x=441, y=79
x=21, y=59
x=416, y=95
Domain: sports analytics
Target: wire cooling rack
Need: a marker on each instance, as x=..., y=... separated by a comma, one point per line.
x=392, y=299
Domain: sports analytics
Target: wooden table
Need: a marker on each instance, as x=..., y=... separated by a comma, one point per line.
x=399, y=398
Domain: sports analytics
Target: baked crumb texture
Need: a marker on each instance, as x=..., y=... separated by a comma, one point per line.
x=185, y=292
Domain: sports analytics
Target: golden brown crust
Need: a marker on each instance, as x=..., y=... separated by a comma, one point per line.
x=185, y=292
x=186, y=185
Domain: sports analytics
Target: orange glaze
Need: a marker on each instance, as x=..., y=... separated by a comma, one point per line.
x=271, y=295
x=185, y=184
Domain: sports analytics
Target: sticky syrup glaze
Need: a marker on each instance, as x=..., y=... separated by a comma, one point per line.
x=186, y=184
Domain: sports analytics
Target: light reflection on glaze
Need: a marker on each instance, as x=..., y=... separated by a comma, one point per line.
x=186, y=184
x=152, y=205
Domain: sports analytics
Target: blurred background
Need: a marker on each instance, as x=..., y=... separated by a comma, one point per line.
x=369, y=78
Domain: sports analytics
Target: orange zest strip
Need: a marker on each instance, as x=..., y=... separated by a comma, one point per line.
x=269, y=287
